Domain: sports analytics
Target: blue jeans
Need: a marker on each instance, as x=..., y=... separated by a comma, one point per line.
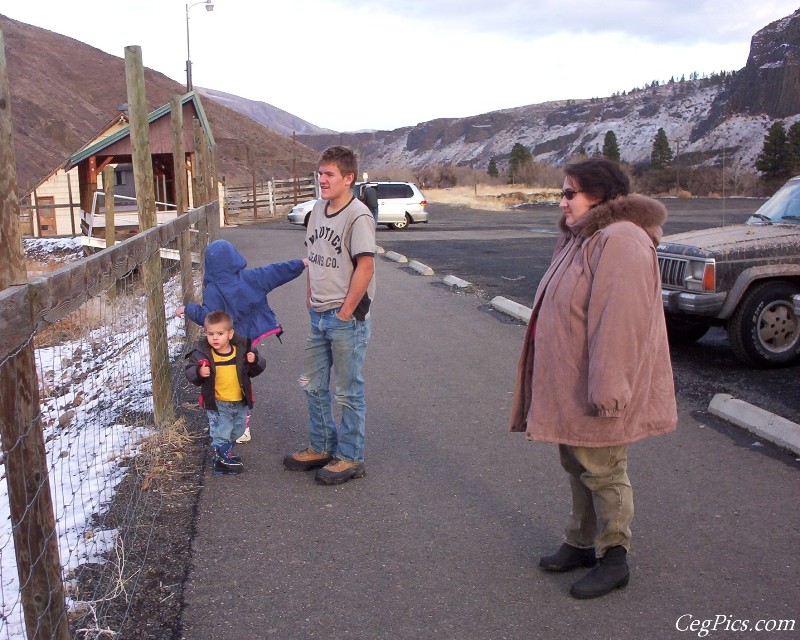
x=226, y=423
x=335, y=352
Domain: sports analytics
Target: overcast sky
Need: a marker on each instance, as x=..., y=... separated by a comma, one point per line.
x=369, y=64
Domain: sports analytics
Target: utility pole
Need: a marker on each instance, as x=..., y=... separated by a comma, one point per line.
x=677, y=142
x=294, y=164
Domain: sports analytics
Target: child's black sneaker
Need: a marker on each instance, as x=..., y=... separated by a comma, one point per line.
x=228, y=467
x=223, y=461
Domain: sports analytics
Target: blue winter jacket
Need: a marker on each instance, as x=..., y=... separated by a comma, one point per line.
x=228, y=286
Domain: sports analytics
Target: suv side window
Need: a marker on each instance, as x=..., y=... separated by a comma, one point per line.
x=390, y=191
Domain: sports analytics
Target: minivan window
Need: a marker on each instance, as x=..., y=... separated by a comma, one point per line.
x=387, y=191
x=783, y=206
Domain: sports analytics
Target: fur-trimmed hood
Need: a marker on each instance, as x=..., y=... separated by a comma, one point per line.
x=642, y=211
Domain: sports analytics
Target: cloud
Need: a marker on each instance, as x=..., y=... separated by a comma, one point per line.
x=658, y=21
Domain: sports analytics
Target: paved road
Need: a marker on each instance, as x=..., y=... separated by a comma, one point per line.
x=506, y=253
x=442, y=537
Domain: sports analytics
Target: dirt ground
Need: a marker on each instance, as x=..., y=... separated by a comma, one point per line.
x=156, y=525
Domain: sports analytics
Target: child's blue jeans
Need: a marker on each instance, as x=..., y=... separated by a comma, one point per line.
x=226, y=423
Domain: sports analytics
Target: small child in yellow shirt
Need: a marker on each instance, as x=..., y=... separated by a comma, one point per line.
x=221, y=364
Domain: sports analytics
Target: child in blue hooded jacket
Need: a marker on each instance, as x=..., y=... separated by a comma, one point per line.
x=242, y=293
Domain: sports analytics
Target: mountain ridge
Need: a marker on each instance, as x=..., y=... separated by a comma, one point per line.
x=706, y=119
x=57, y=106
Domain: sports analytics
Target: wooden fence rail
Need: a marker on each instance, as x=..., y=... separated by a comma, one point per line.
x=271, y=198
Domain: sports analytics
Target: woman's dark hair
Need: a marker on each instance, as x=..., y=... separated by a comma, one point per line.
x=599, y=178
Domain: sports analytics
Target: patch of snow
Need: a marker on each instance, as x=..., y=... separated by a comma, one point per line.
x=87, y=386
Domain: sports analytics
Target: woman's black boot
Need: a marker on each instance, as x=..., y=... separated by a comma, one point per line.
x=612, y=573
x=567, y=558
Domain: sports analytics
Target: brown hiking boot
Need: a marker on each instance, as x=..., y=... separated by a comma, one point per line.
x=338, y=471
x=306, y=459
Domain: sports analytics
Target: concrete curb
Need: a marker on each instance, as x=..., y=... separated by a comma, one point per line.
x=379, y=250
x=780, y=431
x=420, y=268
x=395, y=257
x=511, y=308
x=456, y=282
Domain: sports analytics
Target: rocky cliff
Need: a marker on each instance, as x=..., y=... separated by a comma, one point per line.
x=770, y=82
x=704, y=118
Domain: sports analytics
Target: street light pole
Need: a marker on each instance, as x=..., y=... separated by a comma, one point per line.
x=209, y=5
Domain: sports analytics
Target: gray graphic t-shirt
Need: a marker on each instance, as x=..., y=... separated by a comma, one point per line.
x=334, y=241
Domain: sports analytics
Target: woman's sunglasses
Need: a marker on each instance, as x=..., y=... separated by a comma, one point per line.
x=569, y=194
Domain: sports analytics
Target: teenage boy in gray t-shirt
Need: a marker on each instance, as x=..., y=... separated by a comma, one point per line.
x=340, y=288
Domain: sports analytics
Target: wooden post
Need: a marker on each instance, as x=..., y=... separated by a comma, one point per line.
x=271, y=197
x=71, y=205
x=25, y=458
x=251, y=164
x=163, y=407
x=215, y=183
x=181, y=206
x=111, y=221
x=38, y=215
x=212, y=216
x=199, y=187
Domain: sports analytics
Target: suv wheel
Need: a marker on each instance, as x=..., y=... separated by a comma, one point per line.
x=682, y=331
x=402, y=225
x=764, y=331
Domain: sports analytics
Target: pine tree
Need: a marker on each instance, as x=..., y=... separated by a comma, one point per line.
x=773, y=161
x=661, y=155
x=793, y=149
x=492, y=169
x=519, y=160
x=610, y=147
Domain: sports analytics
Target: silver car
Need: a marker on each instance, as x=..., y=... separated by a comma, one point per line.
x=300, y=212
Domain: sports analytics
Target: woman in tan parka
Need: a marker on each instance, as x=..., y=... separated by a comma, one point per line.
x=595, y=373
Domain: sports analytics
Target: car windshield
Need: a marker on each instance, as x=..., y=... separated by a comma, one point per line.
x=783, y=207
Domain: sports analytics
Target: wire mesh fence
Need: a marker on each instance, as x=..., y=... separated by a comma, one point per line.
x=102, y=446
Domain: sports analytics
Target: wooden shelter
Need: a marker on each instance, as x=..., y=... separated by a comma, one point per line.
x=116, y=150
x=50, y=207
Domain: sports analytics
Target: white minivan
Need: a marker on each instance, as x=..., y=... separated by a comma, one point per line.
x=399, y=204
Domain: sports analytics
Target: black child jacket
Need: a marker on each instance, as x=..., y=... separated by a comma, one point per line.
x=244, y=370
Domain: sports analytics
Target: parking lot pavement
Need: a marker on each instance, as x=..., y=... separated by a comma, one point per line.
x=442, y=537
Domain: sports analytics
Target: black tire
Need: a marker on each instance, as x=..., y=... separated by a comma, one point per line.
x=764, y=331
x=305, y=222
x=398, y=226
x=680, y=331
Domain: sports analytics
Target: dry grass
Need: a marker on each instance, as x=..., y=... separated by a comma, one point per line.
x=491, y=197
x=93, y=314
x=38, y=267
x=162, y=453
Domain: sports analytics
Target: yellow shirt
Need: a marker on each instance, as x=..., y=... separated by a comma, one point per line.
x=226, y=384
